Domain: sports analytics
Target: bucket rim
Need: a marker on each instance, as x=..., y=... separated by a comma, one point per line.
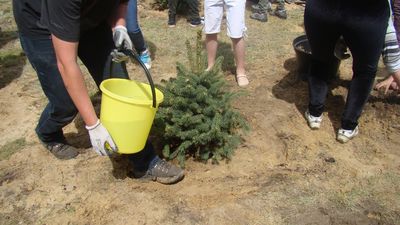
x=301, y=41
x=104, y=90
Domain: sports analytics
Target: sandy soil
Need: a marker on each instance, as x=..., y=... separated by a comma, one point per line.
x=283, y=173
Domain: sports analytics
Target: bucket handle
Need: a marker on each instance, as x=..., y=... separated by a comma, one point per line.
x=133, y=55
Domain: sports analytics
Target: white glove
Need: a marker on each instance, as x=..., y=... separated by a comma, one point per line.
x=101, y=140
x=118, y=57
x=121, y=38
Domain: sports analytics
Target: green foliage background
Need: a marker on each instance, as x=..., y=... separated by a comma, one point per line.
x=196, y=118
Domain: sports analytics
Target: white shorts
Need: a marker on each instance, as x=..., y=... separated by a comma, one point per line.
x=214, y=11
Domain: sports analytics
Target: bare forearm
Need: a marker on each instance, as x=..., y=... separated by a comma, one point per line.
x=75, y=84
x=66, y=53
x=119, y=18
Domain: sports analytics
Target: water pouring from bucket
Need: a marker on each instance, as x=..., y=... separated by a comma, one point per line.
x=128, y=109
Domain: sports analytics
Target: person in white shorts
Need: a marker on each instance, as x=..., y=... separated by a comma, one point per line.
x=235, y=10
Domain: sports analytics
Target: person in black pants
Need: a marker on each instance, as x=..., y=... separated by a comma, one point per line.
x=363, y=25
x=53, y=34
x=193, y=12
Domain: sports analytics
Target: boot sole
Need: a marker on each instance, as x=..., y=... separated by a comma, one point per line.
x=163, y=180
x=170, y=180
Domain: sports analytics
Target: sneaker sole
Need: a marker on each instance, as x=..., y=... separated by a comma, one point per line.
x=343, y=139
x=65, y=157
x=162, y=180
x=194, y=25
x=171, y=26
x=314, y=127
x=71, y=155
x=259, y=19
x=170, y=180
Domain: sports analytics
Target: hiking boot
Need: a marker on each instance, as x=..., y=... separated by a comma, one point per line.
x=344, y=136
x=259, y=16
x=145, y=58
x=195, y=22
x=162, y=172
x=314, y=122
x=61, y=150
x=280, y=13
x=261, y=9
x=171, y=21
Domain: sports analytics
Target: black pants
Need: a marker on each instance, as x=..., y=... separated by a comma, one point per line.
x=193, y=8
x=363, y=25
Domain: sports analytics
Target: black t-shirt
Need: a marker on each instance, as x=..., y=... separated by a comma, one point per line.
x=66, y=19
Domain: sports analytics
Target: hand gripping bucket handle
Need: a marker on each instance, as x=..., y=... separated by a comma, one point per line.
x=133, y=56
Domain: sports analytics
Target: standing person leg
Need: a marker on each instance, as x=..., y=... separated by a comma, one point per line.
x=280, y=10
x=260, y=10
x=322, y=35
x=235, y=14
x=361, y=36
x=172, y=4
x=213, y=12
x=194, y=16
x=211, y=46
x=136, y=35
x=60, y=110
x=239, y=52
x=262, y=6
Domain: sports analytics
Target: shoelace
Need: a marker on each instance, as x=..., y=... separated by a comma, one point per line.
x=163, y=166
x=58, y=147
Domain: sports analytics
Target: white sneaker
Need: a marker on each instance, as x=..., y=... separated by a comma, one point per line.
x=314, y=122
x=344, y=136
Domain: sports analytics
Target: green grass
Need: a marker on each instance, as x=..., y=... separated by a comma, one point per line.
x=7, y=150
x=379, y=192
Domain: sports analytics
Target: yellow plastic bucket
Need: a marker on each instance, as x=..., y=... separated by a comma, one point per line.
x=127, y=111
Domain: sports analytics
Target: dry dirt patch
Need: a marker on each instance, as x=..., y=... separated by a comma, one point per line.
x=284, y=173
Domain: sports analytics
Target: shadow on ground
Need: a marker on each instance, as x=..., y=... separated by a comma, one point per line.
x=293, y=89
x=11, y=64
x=7, y=36
x=11, y=68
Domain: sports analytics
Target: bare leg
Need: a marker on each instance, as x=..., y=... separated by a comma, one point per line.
x=211, y=46
x=238, y=48
x=239, y=52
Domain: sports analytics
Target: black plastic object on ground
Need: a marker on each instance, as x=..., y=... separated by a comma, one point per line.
x=303, y=56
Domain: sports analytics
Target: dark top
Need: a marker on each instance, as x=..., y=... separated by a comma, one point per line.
x=65, y=19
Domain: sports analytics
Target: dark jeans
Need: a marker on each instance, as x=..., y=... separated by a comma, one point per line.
x=363, y=26
x=193, y=11
x=94, y=51
x=133, y=27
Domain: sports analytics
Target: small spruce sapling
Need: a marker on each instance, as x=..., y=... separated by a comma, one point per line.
x=196, y=118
